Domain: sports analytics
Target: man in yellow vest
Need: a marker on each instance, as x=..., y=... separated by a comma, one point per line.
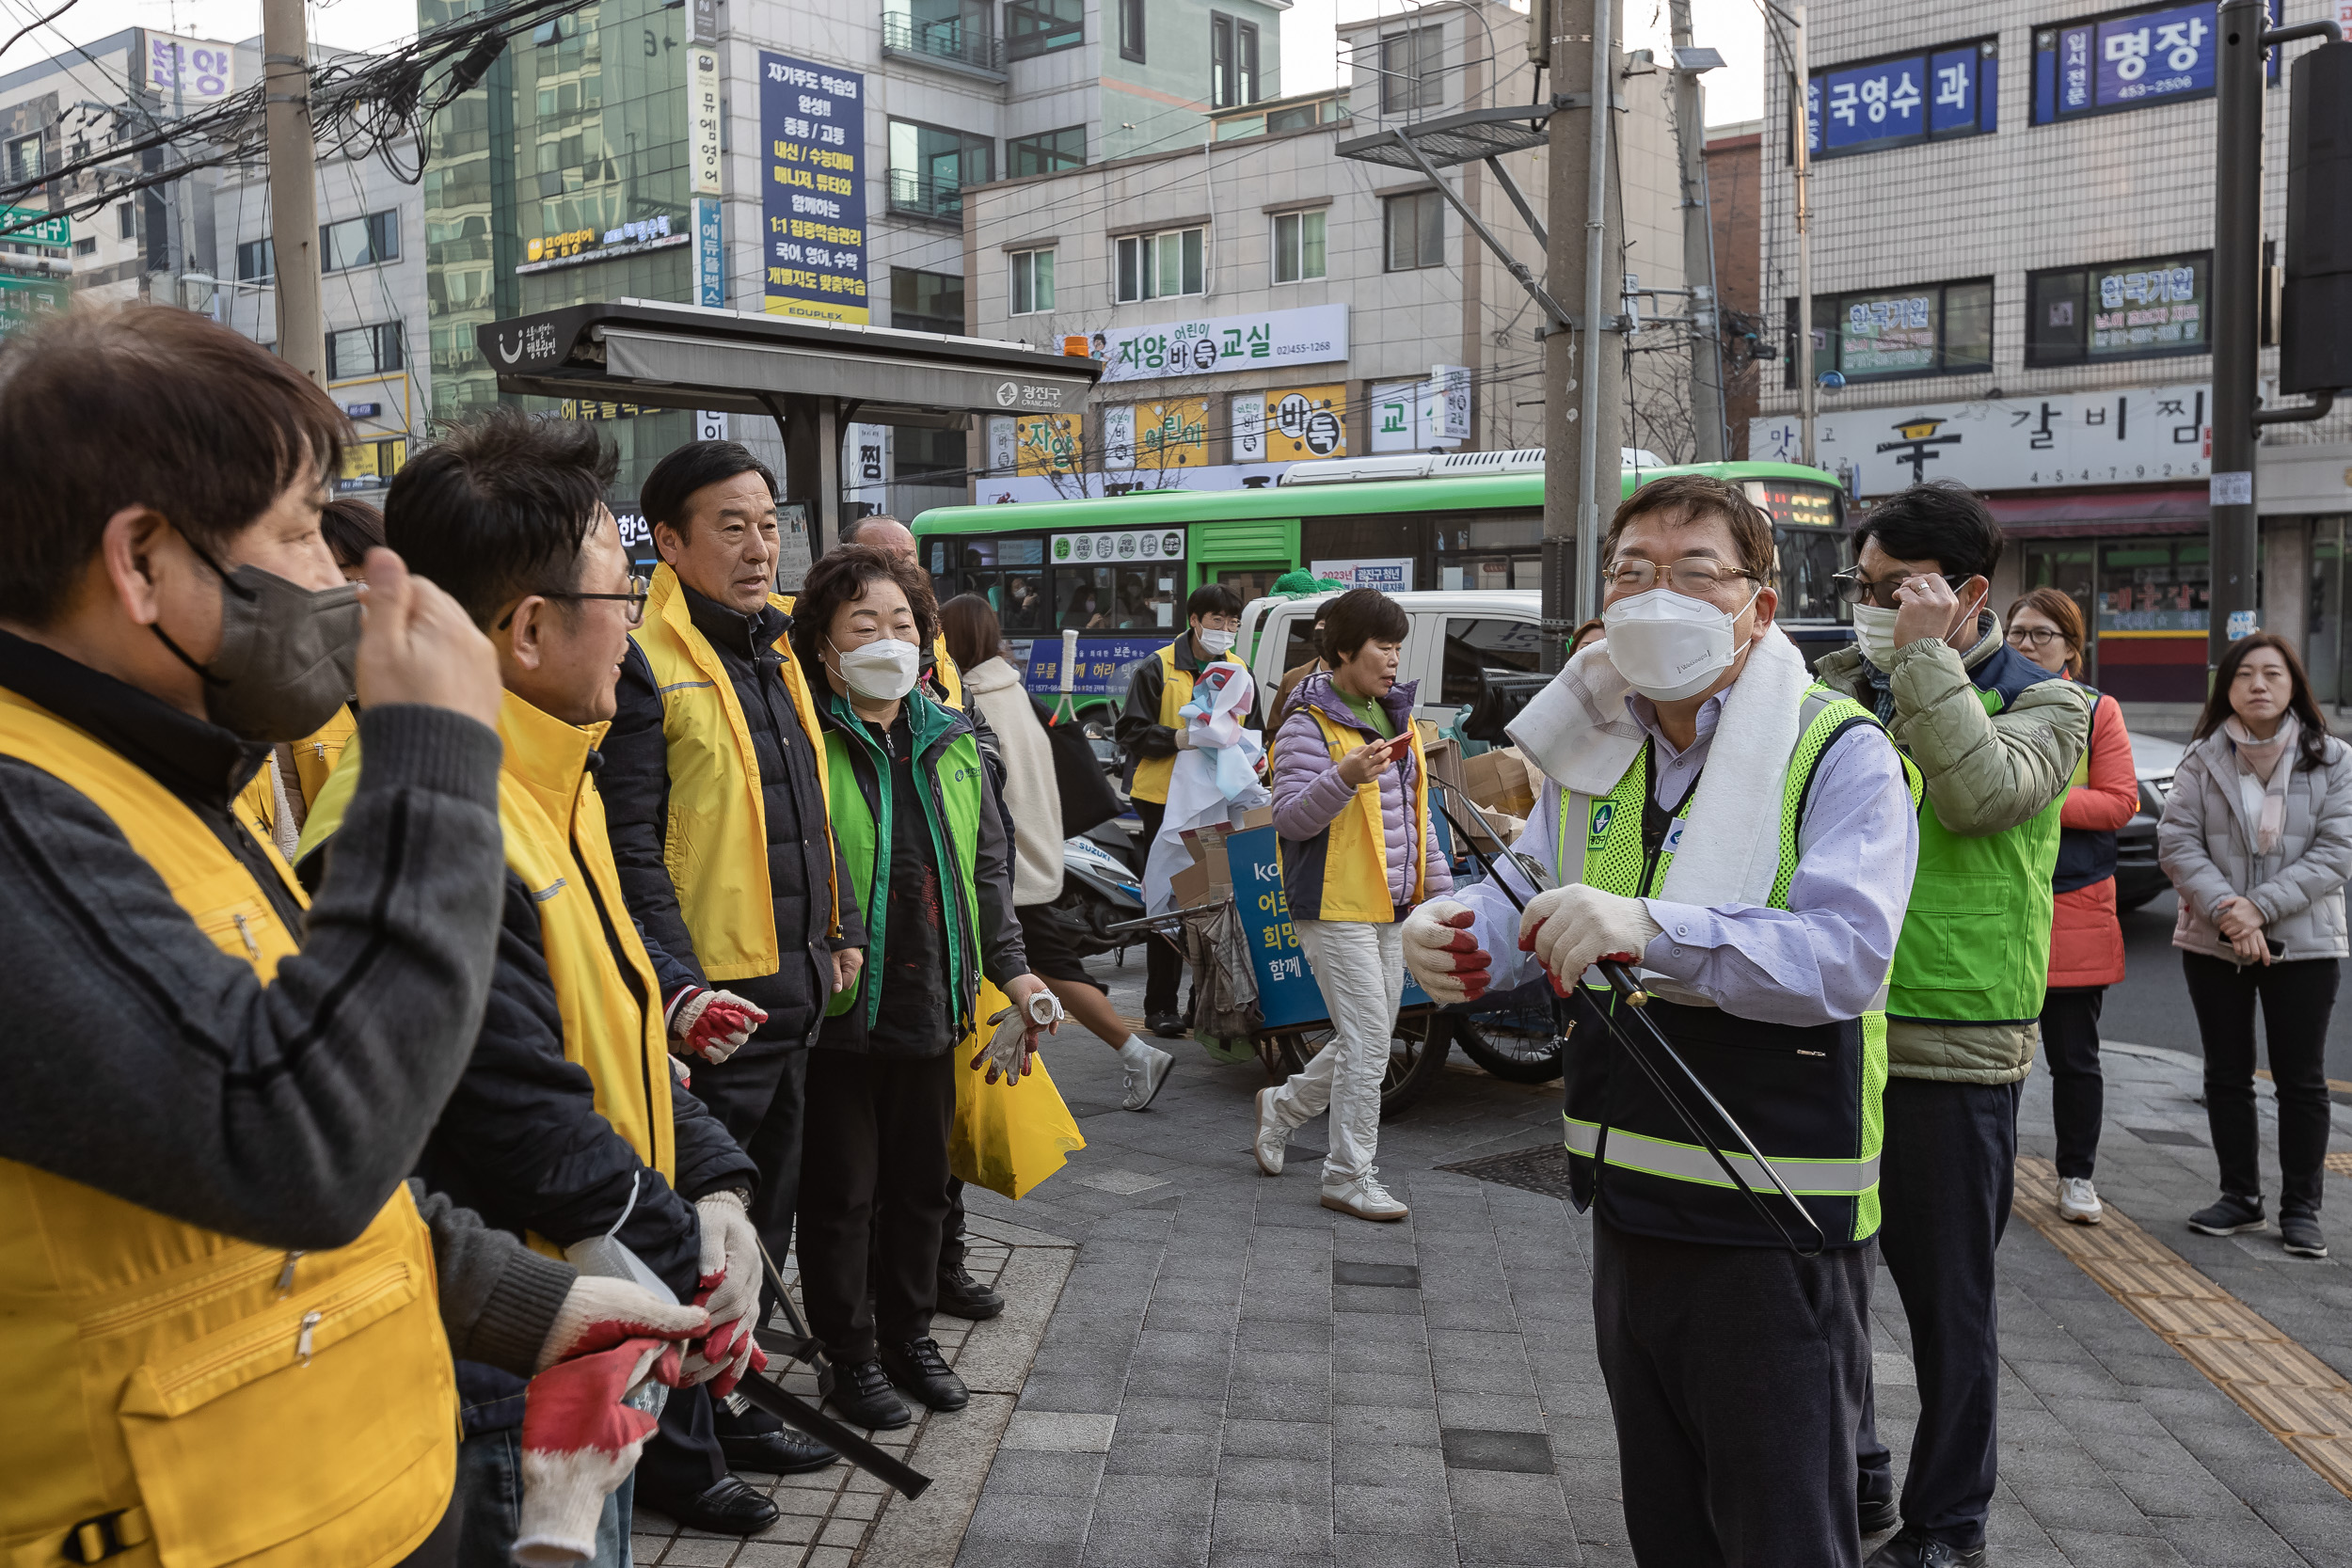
x=219, y=1333
x=1150, y=733
x=566, y=1125
x=715, y=789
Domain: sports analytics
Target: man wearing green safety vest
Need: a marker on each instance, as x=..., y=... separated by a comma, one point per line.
x=1995, y=738
x=1747, y=838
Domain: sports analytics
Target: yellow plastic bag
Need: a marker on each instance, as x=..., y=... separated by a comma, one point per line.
x=1008, y=1137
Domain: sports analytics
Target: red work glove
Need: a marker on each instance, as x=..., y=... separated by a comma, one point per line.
x=581, y=1442
x=730, y=1291
x=599, y=1313
x=712, y=1024
x=1441, y=953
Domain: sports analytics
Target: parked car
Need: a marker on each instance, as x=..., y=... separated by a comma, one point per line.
x=2138, y=877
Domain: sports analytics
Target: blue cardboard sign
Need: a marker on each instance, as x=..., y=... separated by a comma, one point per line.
x=1105, y=664
x=1287, y=992
x=1903, y=100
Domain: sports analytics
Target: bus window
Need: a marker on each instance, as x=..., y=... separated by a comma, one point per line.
x=1114, y=598
x=1472, y=645
x=1007, y=573
x=1807, y=562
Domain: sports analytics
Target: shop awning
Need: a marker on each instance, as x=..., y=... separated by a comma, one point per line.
x=2076, y=514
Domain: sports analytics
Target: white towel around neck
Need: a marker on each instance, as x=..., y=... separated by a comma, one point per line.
x=1578, y=732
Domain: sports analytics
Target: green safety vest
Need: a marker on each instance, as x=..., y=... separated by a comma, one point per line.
x=1808, y=1095
x=1976, y=941
x=948, y=760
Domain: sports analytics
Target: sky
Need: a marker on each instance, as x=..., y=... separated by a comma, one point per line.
x=1735, y=27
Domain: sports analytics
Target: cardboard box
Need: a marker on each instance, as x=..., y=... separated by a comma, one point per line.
x=1191, y=887
x=1261, y=817
x=1499, y=781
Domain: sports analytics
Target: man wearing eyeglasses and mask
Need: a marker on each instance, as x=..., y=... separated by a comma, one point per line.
x=1746, y=838
x=1995, y=738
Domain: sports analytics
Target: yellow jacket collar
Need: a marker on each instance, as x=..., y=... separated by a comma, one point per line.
x=546, y=756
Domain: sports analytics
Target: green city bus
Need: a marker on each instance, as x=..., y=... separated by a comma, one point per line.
x=1118, y=569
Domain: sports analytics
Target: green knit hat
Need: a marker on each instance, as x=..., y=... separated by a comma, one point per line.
x=1300, y=583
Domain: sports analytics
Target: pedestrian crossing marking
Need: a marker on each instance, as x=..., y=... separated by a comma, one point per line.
x=2297, y=1397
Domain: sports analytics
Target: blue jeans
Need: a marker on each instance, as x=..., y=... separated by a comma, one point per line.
x=491, y=1488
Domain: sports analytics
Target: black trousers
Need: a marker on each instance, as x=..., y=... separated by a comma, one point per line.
x=1944, y=1185
x=763, y=1103
x=2070, y=1042
x=2296, y=1000
x=1163, y=960
x=1735, y=1376
x=951, y=1246
x=874, y=1196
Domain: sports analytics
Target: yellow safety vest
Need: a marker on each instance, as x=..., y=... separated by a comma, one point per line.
x=314, y=759
x=716, y=843
x=179, y=1398
x=1152, y=773
x=552, y=821
x=1343, y=874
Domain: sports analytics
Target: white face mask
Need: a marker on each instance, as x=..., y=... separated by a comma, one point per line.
x=1217, y=643
x=1874, y=629
x=1669, y=645
x=882, y=671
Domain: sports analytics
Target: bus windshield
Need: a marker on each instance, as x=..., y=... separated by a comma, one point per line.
x=1809, y=529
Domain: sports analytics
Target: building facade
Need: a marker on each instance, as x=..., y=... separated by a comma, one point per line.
x=759, y=156
x=1735, y=190
x=2013, y=228
x=1261, y=298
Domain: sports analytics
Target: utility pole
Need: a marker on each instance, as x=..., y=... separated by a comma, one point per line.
x=1708, y=436
x=1801, y=136
x=1582, y=433
x=294, y=225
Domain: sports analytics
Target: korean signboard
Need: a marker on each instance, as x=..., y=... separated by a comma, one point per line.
x=1105, y=664
x=1171, y=434
x=1046, y=444
x=1115, y=546
x=1212, y=345
x=702, y=114
x=1307, y=421
x=2132, y=435
x=710, y=253
x=1391, y=577
x=812, y=132
x=1414, y=416
x=2126, y=60
x=2137, y=310
x=186, y=73
x=1888, y=335
x=53, y=231
x=1927, y=95
x=1248, y=413
x=22, y=298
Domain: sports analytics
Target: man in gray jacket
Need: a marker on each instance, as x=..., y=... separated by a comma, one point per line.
x=1995, y=738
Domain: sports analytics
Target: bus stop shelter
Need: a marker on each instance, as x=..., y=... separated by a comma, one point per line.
x=812, y=377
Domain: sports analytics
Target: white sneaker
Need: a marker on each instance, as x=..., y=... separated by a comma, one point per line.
x=2079, y=1201
x=1274, y=1134
x=1364, y=1198
x=1143, y=1083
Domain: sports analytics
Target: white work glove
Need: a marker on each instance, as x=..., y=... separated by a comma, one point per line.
x=712, y=1024
x=579, y=1442
x=599, y=1312
x=730, y=1291
x=1183, y=737
x=1571, y=928
x=1443, y=955
x=1013, y=1040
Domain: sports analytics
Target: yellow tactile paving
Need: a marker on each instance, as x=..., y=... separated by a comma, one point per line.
x=2298, y=1398
x=2341, y=1164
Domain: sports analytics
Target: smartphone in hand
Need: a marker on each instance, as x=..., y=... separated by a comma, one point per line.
x=1400, y=745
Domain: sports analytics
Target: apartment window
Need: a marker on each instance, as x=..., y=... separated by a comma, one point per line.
x=1131, y=30
x=1032, y=282
x=1046, y=152
x=925, y=301
x=256, y=259
x=1233, y=62
x=1162, y=265
x=929, y=166
x=2124, y=310
x=1041, y=26
x=360, y=242
x=86, y=247
x=1410, y=70
x=1415, y=230
x=24, y=161
x=1299, y=251
x=363, y=351
x=127, y=220
x=1889, y=334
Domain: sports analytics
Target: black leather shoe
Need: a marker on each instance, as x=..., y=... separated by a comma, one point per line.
x=729, y=1508
x=917, y=1367
x=1168, y=1026
x=776, y=1453
x=1877, y=1515
x=962, y=1296
x=1912, y=1549
x=861, y=1391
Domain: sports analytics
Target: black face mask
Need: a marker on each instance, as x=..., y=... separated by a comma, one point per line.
x=287, y=654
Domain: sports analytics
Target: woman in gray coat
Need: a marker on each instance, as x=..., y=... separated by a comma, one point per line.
x=2257, y=838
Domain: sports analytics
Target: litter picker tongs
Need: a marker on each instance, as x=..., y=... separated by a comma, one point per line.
x=1636, y=998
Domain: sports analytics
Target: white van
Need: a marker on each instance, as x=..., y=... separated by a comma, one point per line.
x=1454, y=634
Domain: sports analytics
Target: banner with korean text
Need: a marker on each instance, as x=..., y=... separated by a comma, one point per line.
x=812, y=131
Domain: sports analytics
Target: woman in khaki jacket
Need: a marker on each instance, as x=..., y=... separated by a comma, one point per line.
x=2257, y=838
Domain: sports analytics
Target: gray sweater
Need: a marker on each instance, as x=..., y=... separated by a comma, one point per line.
x=142, y=1060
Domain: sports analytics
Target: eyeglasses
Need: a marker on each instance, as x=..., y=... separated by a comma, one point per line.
x=2037, y=637
x=1697, y=576
x=1854, y=588
x=635, y=599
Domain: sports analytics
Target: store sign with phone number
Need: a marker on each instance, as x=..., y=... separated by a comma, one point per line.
x=1212, y=345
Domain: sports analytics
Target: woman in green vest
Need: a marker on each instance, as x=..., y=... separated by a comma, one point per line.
x=923, y=838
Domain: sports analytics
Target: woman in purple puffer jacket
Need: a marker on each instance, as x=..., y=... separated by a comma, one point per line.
x=1351, y=806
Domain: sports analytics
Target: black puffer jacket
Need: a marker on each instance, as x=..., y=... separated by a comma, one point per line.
x=636, y=787
x=520, y=1142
